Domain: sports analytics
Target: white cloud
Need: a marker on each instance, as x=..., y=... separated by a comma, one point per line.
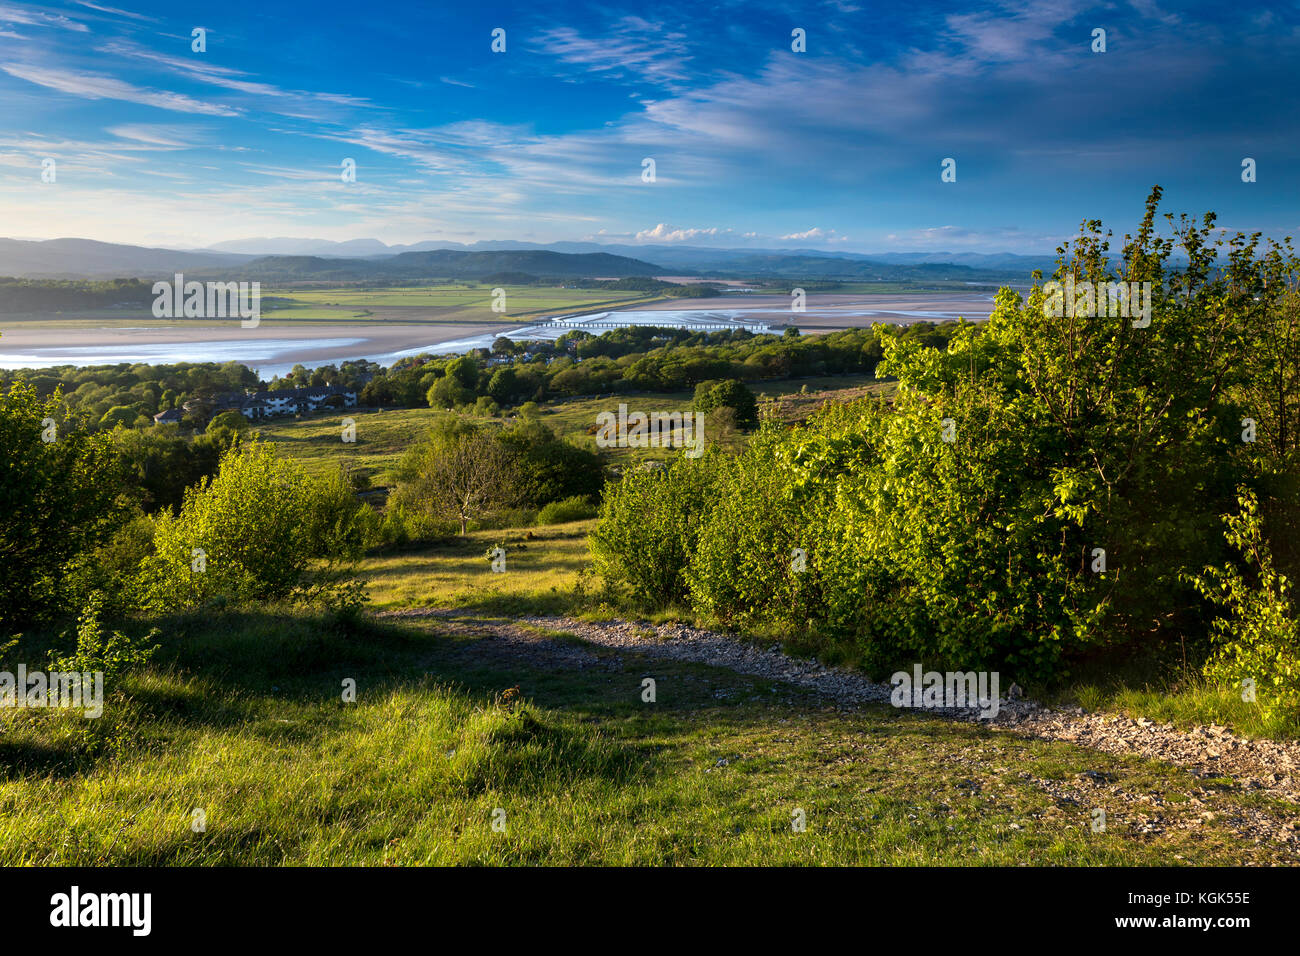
x=632, y=45
x=665, y=233
x=93, y=86
x=162, y=137
x=38, y=18
x=113, y=11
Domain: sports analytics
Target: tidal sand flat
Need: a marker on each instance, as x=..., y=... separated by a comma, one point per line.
x=270, y=350
x=273, y=349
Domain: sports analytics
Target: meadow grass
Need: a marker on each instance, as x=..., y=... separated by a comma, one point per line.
x=242, y=717
x=382, y=435
x=541, y=573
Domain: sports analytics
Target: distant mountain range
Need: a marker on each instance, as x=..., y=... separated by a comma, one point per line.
x=372, y=260
x=685, y=257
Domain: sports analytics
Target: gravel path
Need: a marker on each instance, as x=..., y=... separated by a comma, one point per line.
x=1265, y=766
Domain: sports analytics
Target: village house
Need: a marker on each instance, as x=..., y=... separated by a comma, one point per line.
x=259, y=405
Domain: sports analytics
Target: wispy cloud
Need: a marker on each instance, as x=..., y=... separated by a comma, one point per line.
x=31, y=16
x=114, y=11
x=631, y=46
x=271, y=98
x=97, y=86
x=163, y=137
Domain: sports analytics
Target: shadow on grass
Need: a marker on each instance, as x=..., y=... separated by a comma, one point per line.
x=34, y=757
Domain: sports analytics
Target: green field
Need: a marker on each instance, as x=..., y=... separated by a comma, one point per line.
x=454, y=303
x=418, y=305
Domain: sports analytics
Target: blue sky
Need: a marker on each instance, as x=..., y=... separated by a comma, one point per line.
x=754, y=145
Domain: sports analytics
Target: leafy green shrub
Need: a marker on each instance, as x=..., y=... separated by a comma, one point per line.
x=1030, y=495
x=112, y=570
x=260, y=530
x=573, y=508
x=1260, y=640
x=754, y=562
x=339, y=524
x=113, y=654
x=728, y=393
x=124, y=415
x=231, y=420
x=59, y=487
x=649, y=522
x=549, y=468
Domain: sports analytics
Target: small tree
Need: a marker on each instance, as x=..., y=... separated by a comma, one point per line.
x=232, y=420
x=447, y=392
x=124, y=415
x=459, y=476
x=728, y=393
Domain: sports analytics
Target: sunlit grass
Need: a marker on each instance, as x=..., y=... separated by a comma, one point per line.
x=242, y=717
x=380, y=438
x=540, y=573
x=1188, y=704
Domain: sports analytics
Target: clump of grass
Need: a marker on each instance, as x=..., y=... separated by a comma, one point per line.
x=1185, y=703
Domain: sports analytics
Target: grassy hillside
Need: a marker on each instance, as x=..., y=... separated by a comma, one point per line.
x=241, y=716
x=382, y=435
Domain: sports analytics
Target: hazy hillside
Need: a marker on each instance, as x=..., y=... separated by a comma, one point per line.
x=677, y=258
x=446, y=263
x=362, y=260
x=71, y=258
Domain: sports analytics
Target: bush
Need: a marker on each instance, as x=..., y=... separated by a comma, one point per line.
x=1260, y=640
x=729, y=393
x=649, y=522
x=123, y=415
x=574, y=508
x=59, y=486
x=112, y=570
x=260, y=530
x=112, y=654
x=232, y=420
x=549, y=468
x=745, y=569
